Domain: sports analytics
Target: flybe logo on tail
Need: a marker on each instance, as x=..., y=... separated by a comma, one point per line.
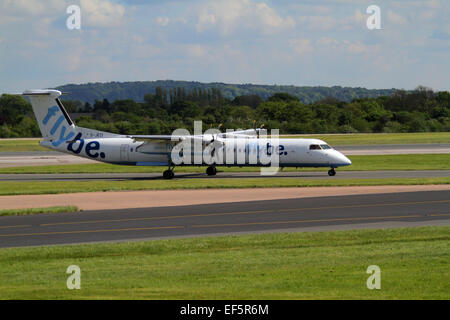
x=51, y=112
x=90, y=148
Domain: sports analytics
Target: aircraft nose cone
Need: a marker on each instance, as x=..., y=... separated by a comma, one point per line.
x=342, y=160
x=345, y=161
x=348, y=161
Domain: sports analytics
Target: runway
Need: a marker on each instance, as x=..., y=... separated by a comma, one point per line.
x=221, y=175
x=305, y=214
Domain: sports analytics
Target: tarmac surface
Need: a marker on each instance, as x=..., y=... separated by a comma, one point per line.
x=404, y=209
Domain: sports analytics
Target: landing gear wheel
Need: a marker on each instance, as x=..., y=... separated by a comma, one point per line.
x=211, y=171
x=168, y=174
x=331, y=172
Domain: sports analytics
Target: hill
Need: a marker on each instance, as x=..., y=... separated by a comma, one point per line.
x=112, y=91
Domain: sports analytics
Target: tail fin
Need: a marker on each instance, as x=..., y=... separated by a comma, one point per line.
x=54, y=121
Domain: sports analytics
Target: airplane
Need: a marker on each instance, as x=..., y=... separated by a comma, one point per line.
x=247, y=147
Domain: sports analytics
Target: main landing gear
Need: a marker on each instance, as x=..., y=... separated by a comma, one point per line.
x=168, y=174
x=211, y=171
x=331, y=172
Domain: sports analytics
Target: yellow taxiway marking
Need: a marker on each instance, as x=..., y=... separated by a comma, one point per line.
x=16, y=226
x=246, y=212
x=439, y=214
x=225, y=225
x=87, y=231
x=302, y=221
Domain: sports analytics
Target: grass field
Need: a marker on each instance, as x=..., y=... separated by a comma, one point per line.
x=28, y=211
x=16, y=145
x=13, y=145
x=380, y=138
x=50, y=187
x=359, y=163
x=414, y=264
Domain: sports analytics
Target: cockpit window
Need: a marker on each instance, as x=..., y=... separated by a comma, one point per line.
x=325, y=146
x=314, y=147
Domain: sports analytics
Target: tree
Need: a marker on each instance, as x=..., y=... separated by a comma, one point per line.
x=282, y=96
x=252, y=101
x=13, y=108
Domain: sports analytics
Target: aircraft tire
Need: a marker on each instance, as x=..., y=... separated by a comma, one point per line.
x=168, y=174
x=211, y=171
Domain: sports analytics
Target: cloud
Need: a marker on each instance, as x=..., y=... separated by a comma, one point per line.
x=17, y=11
x=326, y=22
x=31, y=7
x=327, y=44
x=162, y=21
x=261, y=41
x=301, y=46
x=197, y=51
x=233, y=15
x=102, y=13
x=396, y=18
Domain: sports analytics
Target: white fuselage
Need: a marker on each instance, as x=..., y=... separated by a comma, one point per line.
x=244, y=151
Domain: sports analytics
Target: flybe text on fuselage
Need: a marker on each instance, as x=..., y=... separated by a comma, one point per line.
x=91, y=148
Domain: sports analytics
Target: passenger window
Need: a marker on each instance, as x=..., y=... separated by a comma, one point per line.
x=314, y=147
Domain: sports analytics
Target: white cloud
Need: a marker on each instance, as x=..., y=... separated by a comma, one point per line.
x=31, y=7
x=318, y=22
x=327, y=44
x=427, y=15
x=101, y=13
x=396, y=18
x=232, y=15
x=435, y=4
x=17, y=11
x=162, y=21
x=301, y=46
x=355, y=47
x=197, y=51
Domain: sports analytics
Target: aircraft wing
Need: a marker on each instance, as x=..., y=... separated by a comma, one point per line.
x=202, y=138
x=159, y=137
x=244, y=133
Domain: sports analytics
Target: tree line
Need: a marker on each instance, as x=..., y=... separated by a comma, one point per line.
x=135, y=90
x=420, y=110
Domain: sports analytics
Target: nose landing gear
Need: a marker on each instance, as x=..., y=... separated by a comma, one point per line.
x=331, y=172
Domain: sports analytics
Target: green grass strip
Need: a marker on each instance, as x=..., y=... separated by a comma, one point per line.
x=50, y=187
x=28, y=211
x=20, y=145
x=380, y=138
x=359, y=163
x=414, y=264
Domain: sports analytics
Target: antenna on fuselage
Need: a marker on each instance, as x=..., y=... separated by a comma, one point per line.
x=259, y=130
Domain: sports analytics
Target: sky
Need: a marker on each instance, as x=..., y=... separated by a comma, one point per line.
x=284, y=42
